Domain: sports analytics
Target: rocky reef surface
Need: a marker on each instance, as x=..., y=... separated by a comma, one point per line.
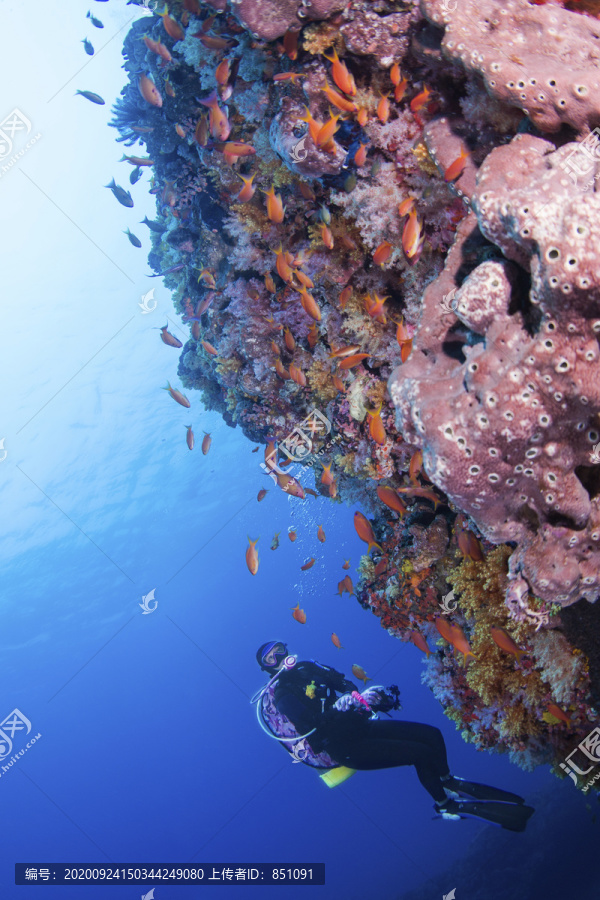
x=386, y=211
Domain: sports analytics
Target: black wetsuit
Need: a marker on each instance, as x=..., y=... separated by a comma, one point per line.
x=351, y=737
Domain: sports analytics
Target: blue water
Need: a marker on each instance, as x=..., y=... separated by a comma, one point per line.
x=149, y=749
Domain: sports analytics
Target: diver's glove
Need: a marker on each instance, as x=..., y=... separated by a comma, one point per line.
x=382, y=698
x=345, y=702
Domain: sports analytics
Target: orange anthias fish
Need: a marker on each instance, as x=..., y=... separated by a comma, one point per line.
x=209, y=348
x=345, y=585
x=294, y=77
x=558, y=713
x=360, y=157
x=275, y=208
x=158, y=48
x=172, y=28
x=365, y=531
x=391, y=499
x=469, y=546
x=341, y=75
x=383, y=109
x=503, y=640
x=346, y=564
x=381, y=567
x=419, y=641
x=314, y=125
x=297, y=375
x=262, y=494
x=406, y=206
x=247, y=192
x=360, y=673
x=189, y=438
x=308, y=564
x=292, y=534
x=412, y=239
x=206, y=442
x=235, y=148
x=313, y=336
x=288, y=337
x=420, y=100
x=270, y=284
x=282, y=264
x=457, y=167
x=338, y=352
x=290, y=485
x=374, y=307
x=327, y=130
x=169, y=339
x=376, y=428
x=327, y=478
x=290, y=44
x=252, y=556
x=395, y=74
x=327, y=236
x=177, y=396
x=218, y=121
x=222, y=72
x=414, y=467
x=336, y=641
x=400, y=90
x=321, y=534
x=345, y=296
x=299, y=614
x=351, y=361
x=455, y=636
x=149, y=91
x=338, y=100
x=201, y=131
x=382, y=253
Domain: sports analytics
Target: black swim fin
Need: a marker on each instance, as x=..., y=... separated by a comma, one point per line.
x=480, y=791
x=512, y=816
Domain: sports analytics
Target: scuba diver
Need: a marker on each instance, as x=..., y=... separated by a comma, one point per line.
x=323, y=721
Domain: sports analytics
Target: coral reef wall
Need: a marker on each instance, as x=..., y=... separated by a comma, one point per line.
x=386, y=212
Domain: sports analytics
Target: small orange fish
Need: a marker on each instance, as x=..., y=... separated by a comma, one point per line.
x=294, y=77
x=455, y=636
x=213, y=42
x=414, y=467
x=341, y=75
x=360, y=157
x=391, y=499
x=149, y=91
x=420, y=100
x=332, y=490
x=417, y=491
x=336, y=641
x=201, y=132
x=419, y=641
x=158, y=48
x=382, y=253
x=292, y=534
x=270, y=284
x=338, y=100
x=252, y=556
x=405, y=350
x=321, y=534
x=307, y=192
x=360, y=674
x=309, y=305
x=300, y=276
x=365, y=531
x=314, y=125
x=262, y=494
x=411, y=235
x=327, y=236
x=169, y=89
x=376, y=428
x=195, y=331
x=247, y=192
x=362, y=116
x=327, y=130
x=172, y=28
x=254, y=450
x=400, y=90
x=503, y=640
x=350, y=361
x=406, y=206
x=457, y=167
x=374, y=307
x=189, y=438
x=327, y=477
x=308, y=564
x=557, y=712
x=346, y=564
x=235, y=148
x=339, y=384
x=290, y=485
x=275, y=208
x=290, y=44
x=313, y=336
x=169, y=339
x=340, y=352
x=222, y=72
x=299, y=614
x=206, y=442
x=209, y=348
x=345, y=296
x=180, y=130
x=469, y=546
x=297, y=375
x=281, y=370
x=219, y=123
x=402, y=334
x=395, y=74
x=381, y=567
x=383, y=109
x=288, y=337
x=282, y=265
x=177, y=396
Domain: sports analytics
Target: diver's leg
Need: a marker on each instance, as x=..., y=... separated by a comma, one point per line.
x=387, y=744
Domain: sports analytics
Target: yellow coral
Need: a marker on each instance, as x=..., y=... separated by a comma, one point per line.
x=316, y=39
x=426, y=164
